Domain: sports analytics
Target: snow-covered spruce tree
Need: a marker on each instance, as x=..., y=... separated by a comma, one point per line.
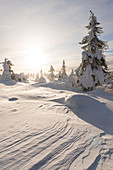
x=63, y=71
x=41, y=73
x=51, y=76
x=91, y=71
x=7, y=72
x=41, y=79
x=72, y=79
x=37, y=77
x=59, y=76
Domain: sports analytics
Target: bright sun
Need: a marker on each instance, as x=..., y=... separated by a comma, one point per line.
x=35, y=57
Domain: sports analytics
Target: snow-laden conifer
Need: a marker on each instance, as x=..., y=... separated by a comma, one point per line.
x=51, y=76
x=72, y=79
x=91, y=71
x=7, y=72
x=41, y=79
x=37, y=77
x=63, y=71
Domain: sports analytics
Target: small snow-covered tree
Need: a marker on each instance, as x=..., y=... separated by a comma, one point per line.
x=72, y=79
x=51, y=76
x=0, y=72
x=7, y=72
x=41, y=79
x=51, y=69
x=63, y=71
x=37, y=77
x=59, y=76
x=41, y=73
x=91, y=71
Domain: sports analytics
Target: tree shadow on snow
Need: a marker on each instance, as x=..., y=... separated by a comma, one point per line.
x=58, y=86
x=92, y=111
x=8, y=83
x=101, y=93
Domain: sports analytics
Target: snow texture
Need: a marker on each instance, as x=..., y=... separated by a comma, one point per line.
x=44, y=128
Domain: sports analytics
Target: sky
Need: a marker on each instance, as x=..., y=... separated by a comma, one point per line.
x=35, y=34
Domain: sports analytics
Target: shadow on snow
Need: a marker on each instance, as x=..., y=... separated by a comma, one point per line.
x=92, y=111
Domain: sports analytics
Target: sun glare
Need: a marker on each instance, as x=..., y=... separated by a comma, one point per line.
x=35, y=57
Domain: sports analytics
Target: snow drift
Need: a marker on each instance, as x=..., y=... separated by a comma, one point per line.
x=44, y=128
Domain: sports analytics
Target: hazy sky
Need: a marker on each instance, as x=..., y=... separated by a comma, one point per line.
x=38, y=33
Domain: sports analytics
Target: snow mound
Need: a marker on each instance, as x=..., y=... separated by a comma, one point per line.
x=92, y=111
x=42, y=80
x=8, y=82
x=78, y=101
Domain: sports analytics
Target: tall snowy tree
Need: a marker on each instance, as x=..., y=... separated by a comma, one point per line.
x=63, y=71
x=41, y=73
x=59, y=76
x=51, y=76
x=91, y=71
x=37, y=77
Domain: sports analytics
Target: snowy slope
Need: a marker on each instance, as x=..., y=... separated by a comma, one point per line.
x=48, y=129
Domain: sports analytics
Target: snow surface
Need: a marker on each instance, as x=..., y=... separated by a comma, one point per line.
x=43, y=128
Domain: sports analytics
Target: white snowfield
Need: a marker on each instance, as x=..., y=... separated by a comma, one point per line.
x=43, y=128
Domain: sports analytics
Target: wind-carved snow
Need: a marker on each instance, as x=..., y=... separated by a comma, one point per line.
x=55, y=129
